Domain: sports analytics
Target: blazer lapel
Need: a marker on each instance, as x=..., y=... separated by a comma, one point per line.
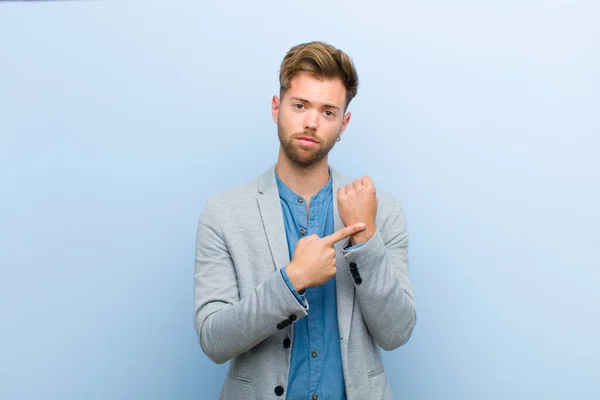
x=269, y=205
x=343, y=281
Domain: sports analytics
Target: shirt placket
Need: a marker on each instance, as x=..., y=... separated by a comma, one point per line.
x=315, y=329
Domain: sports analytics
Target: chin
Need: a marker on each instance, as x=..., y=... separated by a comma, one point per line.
x=305, y=160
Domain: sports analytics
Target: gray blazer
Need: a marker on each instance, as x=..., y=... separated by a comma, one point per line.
x=243, y=309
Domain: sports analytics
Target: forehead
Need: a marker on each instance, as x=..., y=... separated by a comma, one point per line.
x=317, y=91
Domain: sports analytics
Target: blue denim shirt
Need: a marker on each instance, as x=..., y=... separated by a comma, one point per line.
x=316, y=363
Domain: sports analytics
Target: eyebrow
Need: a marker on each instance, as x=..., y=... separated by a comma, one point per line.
x=308, y=102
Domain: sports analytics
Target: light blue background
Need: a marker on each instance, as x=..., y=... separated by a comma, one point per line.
x=118, y=119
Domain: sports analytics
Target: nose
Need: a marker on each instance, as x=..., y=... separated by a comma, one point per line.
x=311, y=120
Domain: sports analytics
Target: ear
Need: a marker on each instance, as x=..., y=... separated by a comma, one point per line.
x=275, y=102
x=345, y=121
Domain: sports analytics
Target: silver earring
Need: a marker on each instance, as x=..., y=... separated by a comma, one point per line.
x=338, y=139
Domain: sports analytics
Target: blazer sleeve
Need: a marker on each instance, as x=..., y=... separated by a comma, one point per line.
x=383, y=288
x=226, y=324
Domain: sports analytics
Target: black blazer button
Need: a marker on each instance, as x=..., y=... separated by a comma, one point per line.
x=358, y=280
x=280, y=325
x=278, y=390
x=287, y=342
x=352, y=265
x=292, y=318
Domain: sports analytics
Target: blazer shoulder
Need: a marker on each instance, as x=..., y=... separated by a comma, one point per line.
x=389, y=205
x=234, y=198
x=393, y=219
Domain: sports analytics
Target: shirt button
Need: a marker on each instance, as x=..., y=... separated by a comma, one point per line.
x=302, y=232
x=314, y=353
x=300, y=201
x=315, y=397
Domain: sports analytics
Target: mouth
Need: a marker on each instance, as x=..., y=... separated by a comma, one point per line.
x=306, y=141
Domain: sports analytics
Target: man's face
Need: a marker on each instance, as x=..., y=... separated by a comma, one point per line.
x=310, y=118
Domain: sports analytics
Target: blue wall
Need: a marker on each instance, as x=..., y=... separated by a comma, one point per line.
x=118, y=120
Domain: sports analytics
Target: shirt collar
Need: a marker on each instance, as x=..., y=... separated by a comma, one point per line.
x=287, y=194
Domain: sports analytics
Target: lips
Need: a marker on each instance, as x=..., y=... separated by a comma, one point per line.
x=306, y=141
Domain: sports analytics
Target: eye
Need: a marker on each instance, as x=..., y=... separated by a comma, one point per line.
x=330, y=113
x=299, y=106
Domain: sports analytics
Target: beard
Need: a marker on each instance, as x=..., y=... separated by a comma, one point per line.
x=302, y=156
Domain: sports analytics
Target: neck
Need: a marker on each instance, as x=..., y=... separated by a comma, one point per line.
x=306, y=181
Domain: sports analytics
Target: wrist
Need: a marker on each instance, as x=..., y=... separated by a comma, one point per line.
x=362, y=236
x=296, y=277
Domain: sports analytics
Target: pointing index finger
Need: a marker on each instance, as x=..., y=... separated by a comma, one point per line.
x=344, y=233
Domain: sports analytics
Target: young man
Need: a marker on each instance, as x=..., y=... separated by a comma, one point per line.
x=302, y=275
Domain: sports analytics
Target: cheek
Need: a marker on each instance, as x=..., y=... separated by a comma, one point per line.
x=334, y=128
x=289, y=123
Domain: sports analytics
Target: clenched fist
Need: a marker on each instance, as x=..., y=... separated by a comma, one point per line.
x=314, y=258
x=357, y=202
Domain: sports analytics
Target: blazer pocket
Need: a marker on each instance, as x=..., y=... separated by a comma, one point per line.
x=378, y=385
x=237, y=388
x=242, y=381
x=376, y=372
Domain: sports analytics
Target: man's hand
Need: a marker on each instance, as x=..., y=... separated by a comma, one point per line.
x=358, y=202
x=314, y=258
